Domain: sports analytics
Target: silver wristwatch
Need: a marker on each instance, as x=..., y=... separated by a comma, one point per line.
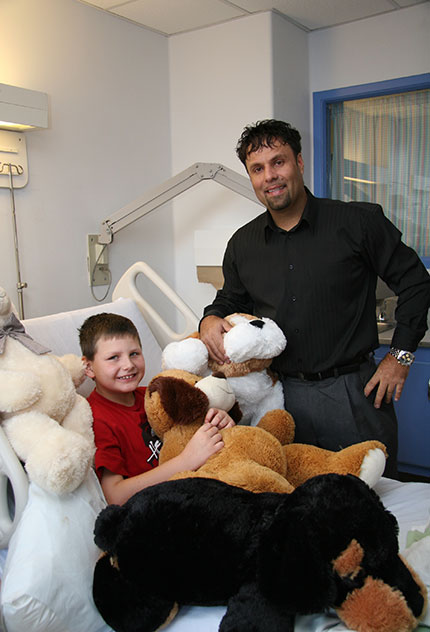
x=405, y=358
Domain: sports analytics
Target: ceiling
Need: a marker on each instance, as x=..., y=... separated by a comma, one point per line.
x=170, y=17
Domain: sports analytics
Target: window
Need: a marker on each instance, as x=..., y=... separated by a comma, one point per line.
x=372, y=144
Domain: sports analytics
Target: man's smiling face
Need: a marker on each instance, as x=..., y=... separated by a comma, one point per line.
x=277, y=176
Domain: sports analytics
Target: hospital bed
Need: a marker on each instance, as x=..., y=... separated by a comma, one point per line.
x=48, y=553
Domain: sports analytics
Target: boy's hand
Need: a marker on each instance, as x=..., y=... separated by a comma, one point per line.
x=205, y=442
x=219, y=418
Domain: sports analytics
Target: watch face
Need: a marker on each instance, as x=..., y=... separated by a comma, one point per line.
x=406, y=358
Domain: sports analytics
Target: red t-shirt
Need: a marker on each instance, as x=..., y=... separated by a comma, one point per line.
x=124, y=439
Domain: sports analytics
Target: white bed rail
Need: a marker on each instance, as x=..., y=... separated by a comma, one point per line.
x=126, y=288
x=11, y=470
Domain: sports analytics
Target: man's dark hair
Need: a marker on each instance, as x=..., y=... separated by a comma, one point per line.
x=107, y=326
x=265, y=134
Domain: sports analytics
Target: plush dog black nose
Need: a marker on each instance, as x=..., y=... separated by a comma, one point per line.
x=257, y=323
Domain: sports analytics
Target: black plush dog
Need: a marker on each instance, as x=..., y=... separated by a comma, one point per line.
x=330, y=543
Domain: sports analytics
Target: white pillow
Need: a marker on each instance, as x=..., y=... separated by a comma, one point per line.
x=48, y=575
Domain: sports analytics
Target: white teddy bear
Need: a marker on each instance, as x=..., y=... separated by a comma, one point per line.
x=47, y=423
x=251, y=345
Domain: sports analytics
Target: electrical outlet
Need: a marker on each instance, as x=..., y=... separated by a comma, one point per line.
x=97, y=262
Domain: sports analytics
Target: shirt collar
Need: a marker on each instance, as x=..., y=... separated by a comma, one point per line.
x=308, y=217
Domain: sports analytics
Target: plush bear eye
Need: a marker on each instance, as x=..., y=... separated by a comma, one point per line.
x=257, y=323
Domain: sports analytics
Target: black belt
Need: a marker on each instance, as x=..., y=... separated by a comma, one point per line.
x=323, y=375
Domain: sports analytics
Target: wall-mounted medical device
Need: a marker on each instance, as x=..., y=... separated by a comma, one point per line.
x=20, y=110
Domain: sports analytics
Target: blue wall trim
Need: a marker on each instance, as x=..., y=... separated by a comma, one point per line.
x=322, y=99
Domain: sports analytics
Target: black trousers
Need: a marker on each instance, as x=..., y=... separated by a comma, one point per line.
x=334, y=413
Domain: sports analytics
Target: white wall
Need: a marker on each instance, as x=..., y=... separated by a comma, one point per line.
x=290, y=68
x=108, y=141
x=223, y=78
x=384, y=47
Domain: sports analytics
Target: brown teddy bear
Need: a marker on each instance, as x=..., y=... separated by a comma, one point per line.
x=257, y=458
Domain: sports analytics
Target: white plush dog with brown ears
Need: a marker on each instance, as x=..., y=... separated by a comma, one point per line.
x=251, y=344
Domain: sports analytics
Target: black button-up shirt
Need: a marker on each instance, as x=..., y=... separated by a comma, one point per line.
x=318, y=281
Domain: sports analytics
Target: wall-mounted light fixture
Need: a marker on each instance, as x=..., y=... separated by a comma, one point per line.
x=22, y=109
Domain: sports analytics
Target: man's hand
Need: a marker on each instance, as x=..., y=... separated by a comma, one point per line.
x=389, y=377
x=212, y=329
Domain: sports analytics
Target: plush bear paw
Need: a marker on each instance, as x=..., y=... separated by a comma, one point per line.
x=74, y=366
x=190, y=355
x=60, y=463
x=19, y=390
x=372, y=467
x=377, y=607
x=280, y=424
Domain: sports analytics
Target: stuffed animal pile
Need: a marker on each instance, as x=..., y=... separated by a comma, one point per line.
x=257, y=458
x=267, y=557
x=251, y=344
x=47, y=423
x=309, y=543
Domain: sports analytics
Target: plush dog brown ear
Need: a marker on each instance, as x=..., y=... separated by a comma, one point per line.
x=181, y=401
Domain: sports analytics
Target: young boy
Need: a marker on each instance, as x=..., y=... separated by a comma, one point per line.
x=126, y=449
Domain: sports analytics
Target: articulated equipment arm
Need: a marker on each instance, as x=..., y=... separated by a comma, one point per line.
x=170, y=189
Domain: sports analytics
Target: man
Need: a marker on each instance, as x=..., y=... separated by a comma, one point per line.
x=312, y=265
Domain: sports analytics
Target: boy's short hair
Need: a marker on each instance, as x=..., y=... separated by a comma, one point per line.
x=104, y=325
x=265, y=134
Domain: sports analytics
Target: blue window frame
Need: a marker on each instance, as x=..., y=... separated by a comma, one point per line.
x=321, y=100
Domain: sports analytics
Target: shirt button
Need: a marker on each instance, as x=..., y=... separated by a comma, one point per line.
x=294, y=299
x=291, y=267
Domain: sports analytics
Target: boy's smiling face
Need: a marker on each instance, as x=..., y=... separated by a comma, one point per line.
x=117, y=368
